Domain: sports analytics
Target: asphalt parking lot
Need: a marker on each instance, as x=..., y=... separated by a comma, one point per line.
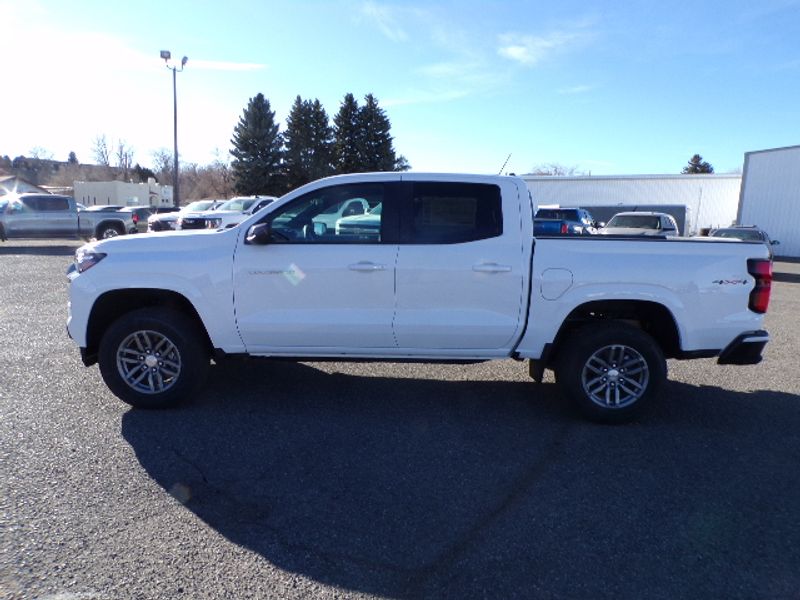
x=334, y=480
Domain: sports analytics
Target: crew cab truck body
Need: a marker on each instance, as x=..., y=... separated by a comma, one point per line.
x=455, y=274
x=53, y=216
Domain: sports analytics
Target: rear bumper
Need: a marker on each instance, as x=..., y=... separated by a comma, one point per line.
x=746, y=349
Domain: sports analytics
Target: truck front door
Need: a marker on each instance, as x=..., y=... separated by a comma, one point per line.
x=310, y=289
x=22, y=217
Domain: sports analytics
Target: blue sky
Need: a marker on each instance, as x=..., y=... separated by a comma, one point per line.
x=609, y=88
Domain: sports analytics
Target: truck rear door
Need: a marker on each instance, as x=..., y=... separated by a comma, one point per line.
x=462, y=269
x=57, y=218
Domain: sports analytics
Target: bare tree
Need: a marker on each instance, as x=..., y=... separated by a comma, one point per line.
x=100, y=151
x=41, y=153
x=557, y=170
x=124, y=155
x=209, y=181
x=163, y=165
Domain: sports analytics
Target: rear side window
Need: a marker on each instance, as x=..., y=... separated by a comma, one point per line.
x=54, y=203
x=451, y=213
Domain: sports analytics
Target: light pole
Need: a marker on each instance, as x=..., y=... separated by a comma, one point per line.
x=166, y=55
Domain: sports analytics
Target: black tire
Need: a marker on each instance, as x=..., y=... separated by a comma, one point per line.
x=611, y=371
x=3, y=237
x=106, y=231
x=153, y=358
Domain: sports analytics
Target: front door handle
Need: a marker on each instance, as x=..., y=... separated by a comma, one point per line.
x=491, y=268
x=366, y=267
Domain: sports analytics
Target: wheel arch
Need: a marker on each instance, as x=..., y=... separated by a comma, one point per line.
x=113, y=304
x=651, y=317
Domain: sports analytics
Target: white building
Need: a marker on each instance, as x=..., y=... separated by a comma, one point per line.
x=91, y=193
x=712, y=199
x=770, y=196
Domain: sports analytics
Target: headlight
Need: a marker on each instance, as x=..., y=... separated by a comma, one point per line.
x=213, y=223
x=86, y=259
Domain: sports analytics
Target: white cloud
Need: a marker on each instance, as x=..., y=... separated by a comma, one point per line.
x=385, y=18
x=531, y=50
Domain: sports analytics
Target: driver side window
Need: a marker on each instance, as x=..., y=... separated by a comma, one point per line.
x=339, y=214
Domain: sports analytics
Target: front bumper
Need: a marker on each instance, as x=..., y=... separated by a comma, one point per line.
x=746, y=349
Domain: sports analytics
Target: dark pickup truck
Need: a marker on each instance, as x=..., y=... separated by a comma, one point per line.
x=563, y=221
x=53, y=216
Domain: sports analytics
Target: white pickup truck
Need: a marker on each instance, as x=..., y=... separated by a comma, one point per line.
x=455, y=275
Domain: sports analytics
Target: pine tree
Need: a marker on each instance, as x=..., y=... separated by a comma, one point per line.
x=375, y=142
x=346, y=133
x=257, y=150
x=309, y=143
x=696, y=165
x=72, y=159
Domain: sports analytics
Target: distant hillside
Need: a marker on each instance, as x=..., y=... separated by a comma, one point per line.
x=46, y=172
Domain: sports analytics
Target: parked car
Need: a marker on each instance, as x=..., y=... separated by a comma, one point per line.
x=346, y=208
x=169, y=220
x=564, y=221
x=748, y=234
x=234, y=211
x=139, y=215
x=453, y=277
x=196, y=219
x=362, y=227
x=641, y=223
x=35, y=215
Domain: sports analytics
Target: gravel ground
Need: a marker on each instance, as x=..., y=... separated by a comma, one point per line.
x=335, y=480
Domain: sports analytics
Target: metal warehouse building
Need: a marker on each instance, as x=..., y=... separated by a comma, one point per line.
x=712, y=200
x=770, y=196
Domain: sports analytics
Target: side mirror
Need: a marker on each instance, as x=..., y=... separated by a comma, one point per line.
x=600, y=224
x=775, y=243
x=258, y=235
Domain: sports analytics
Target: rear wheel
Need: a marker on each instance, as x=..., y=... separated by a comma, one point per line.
x=105, y=232
x=153, y=358
x=611, y=371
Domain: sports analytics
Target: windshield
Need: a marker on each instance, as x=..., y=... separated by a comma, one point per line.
x=634, y=221
x=198, y=205
x=236, y=204
x=738, y=234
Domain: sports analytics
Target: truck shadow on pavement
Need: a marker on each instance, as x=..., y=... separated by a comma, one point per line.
x=422, y=488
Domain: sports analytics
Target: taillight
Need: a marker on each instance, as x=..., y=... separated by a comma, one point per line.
x=135, y=218
x=761, y=270
x=564, y=229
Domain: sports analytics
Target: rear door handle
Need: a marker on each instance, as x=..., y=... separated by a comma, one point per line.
x=366, y=267
x=491, y=268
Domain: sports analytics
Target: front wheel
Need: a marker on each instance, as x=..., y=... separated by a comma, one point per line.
x=153, y=358
x=611, y=371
